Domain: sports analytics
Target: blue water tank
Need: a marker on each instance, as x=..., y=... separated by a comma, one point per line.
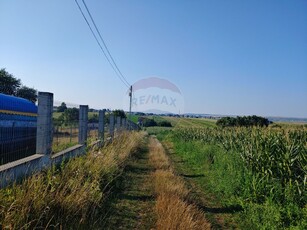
x=11, y=104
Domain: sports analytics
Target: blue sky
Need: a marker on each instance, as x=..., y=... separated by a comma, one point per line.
x=227, y=57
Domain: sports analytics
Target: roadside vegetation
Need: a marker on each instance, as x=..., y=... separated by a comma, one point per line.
x=71, y=196
x=258, y=174
x=202, y=176
x=172, y=207
x=131, y=204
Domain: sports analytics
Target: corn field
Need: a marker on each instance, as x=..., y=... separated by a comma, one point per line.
x=274, y=155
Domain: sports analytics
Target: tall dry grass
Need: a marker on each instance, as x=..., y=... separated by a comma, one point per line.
x=175, y=213
x=70, y=196
x=157, y=155
x=172, y=209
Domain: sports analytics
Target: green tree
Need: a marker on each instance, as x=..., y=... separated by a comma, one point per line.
x=62, y=107
x=12, y=86
x=27, y=93
x=69, y=116
x=107, y=118
x=119, y=113
x=93, y=119
x=8, y=83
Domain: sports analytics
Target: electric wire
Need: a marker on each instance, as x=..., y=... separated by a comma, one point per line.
x=126, y=84
x=103, y=42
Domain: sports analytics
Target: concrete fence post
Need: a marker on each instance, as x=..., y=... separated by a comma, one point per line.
x=101, y=118
x=129, y=125
x=83, y=119
x=118, y=120
x=111, y=125
x=44, y=123
x=124, y=124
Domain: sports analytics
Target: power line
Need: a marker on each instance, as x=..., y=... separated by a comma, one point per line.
x=104, y=44
x=119, y=76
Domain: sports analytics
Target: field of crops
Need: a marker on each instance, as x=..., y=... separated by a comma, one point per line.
x=271, y=164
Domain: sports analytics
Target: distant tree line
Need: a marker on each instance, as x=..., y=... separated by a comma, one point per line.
x=12, y=86
x=245, y=121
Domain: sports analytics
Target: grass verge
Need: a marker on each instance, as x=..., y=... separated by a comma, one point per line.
x=172, y=209
x=71, y=196
x=131, y=206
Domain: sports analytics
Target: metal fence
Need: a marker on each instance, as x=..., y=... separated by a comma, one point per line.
x=16, y=143
x=18, y=134
x=92, y=132
x=65, y=136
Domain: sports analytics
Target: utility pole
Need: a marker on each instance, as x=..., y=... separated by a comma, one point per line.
x=130, y=95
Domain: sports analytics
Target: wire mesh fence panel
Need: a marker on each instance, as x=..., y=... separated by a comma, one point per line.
x=92, y=132
x=16, y=143
x=65, y=136
x=18, y=119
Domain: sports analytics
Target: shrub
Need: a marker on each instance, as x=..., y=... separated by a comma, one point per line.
x=149, y=122
x=164, y=124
